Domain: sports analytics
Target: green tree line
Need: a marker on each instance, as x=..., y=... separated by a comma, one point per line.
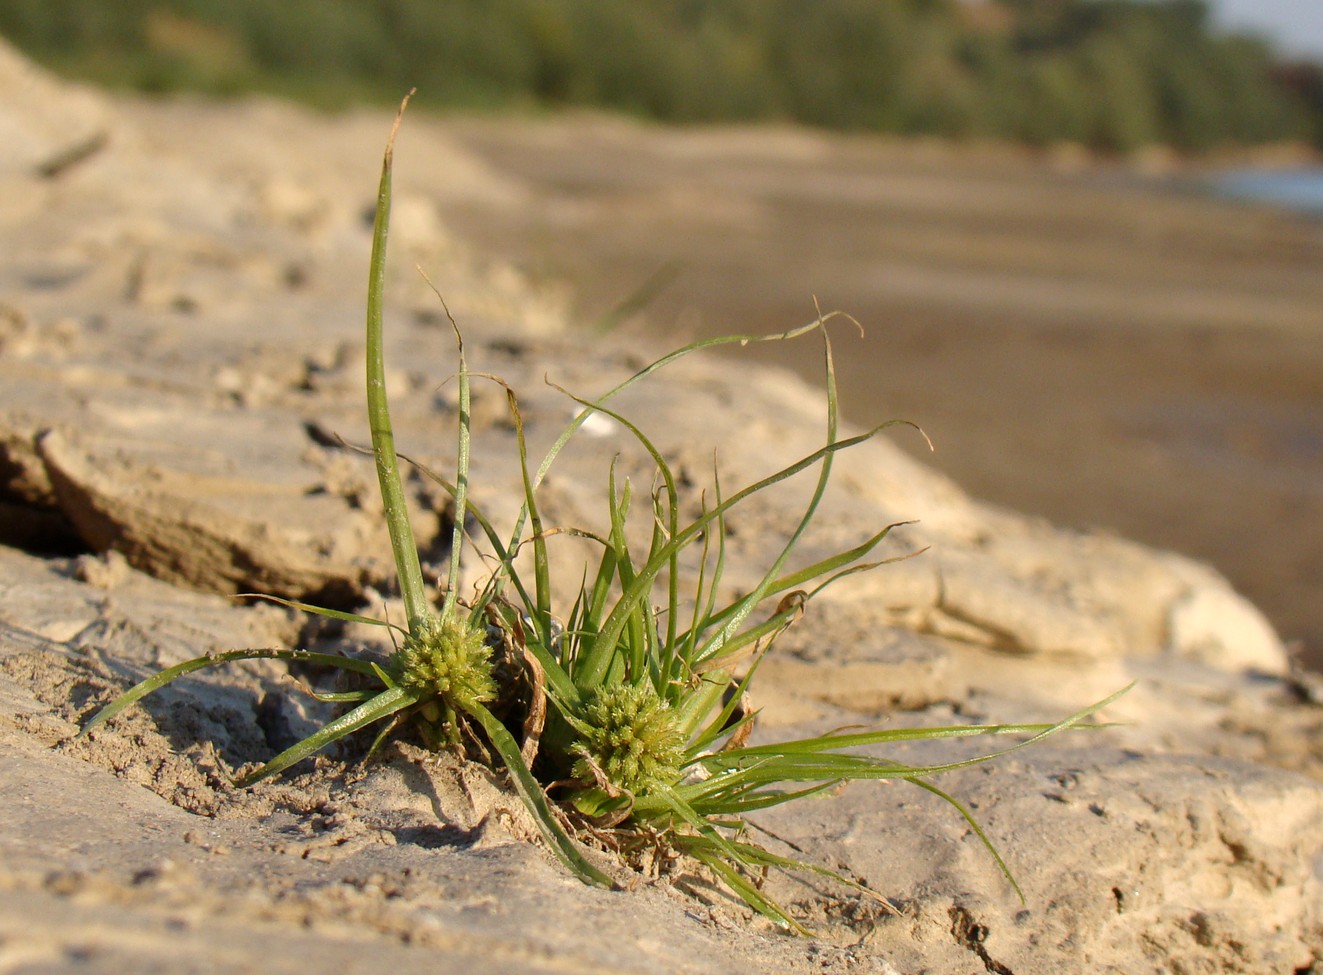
x=1111, y=74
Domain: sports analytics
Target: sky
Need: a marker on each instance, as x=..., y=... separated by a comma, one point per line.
x=1295, y=26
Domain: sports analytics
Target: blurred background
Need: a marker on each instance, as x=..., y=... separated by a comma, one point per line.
x=1109, y=74
x=1083, y=235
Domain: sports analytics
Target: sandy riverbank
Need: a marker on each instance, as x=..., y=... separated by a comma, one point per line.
x=1086, y=342
x=180, y=345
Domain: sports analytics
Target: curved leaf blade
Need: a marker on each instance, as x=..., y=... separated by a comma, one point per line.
x=160, y=679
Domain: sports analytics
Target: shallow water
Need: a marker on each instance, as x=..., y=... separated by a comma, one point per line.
x=1299, y=189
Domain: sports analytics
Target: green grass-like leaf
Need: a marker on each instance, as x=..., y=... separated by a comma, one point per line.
x=160, y=679
x=383, y=436
x=377, y=707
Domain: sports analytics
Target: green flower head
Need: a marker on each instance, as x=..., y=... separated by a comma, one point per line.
x=630, y=734
x=449, y=658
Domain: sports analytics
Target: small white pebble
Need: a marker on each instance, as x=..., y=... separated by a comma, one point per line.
x=599, y=425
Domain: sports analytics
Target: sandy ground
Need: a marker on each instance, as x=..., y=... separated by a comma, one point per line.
x=1089, y=342
x=181, y=290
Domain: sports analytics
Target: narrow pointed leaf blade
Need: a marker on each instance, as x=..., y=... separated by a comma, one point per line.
x=531, y=793
x=160, y=679
x=381, y=706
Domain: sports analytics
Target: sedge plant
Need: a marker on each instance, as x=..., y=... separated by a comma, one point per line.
x=623, y=722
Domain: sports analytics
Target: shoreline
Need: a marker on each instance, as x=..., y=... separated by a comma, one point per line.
x=1101, y=352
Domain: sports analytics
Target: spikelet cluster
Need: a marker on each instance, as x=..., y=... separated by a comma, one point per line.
x=448, y=658
x=630, y=734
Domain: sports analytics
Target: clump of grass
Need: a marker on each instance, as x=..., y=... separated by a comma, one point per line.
x=631, y=725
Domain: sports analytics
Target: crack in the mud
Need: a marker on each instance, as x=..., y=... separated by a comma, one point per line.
x=972, y=935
